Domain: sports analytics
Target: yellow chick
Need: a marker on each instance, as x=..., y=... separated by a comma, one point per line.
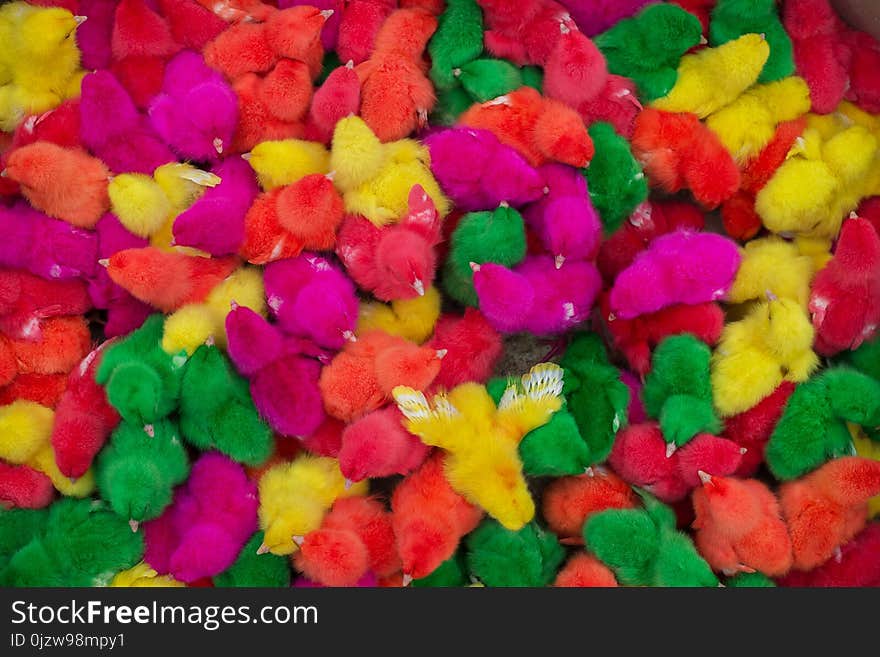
x=375, y=179
x=849, y=112
x=771, y=344
x=25, y=438
x=412, y=319
x=283, y=162
x=817, y=249
x=182, y=185
x=714, y=77
x=748, y=124
x=141, y=575
x=39, y=60
x=772, y=265
x=139, y=203
x=869, y=449
x=481, y=440
x=295, y=496
x=194, y=324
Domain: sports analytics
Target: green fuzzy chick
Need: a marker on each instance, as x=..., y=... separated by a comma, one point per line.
x=733, y=18
x=450, y=573
x=137, y=472
x=866, y=359
x=451, y=103
x=457, y=41
x=644, y=548
x=812, y=429
x=217, y=412
x=485, y=79
x=17, y=528
x=648, y=47
x=141, y=380
x=252, y=570
x=750, y=581
x=72, y=548
x=497, y=236
x=615, y=179
x=597, y=399
x=499, y=557
x=678, y=391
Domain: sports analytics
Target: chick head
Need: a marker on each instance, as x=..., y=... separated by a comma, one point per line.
x=44, y=31
x=788, y=332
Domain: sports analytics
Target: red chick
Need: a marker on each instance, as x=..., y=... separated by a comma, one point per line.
x=25, y=299
x=472, y=348
x=22, y=487
x=752, y=428
x=567, y=502
x=856, y=565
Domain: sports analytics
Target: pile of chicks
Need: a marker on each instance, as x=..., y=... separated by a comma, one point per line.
x=261, y=262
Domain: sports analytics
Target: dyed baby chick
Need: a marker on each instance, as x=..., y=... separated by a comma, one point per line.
x=681, y=267
x=255, y=570
x=69, y=547
x=640, y=456
x=84, y=418
x=193, y=325
x=481, y=439
x=629, y=47
x=64, y=183
x=429, y=519
x=678, y=391
x=294, y=497
x=732, y=19
x=396, y=94
x=643, y=548
x=714, y=77
x=25, y=299
x=568, y=502
x=284, y=162
x=856, y=565
x=496, y=173
x=771, y=264
x=362, y=377
x=845, y=296
x=196, y=112
x=23, y=487
x=772, y=344
x=616, y=182
x=584, y=570
x=376, y=179
x=39, y=60
x=498, y=556
x=215, y=222
x=142, y=381
x=216, y=411
x=142, y=576
x=410, y=319
x=497, y=236
x=752, y=428
x=377, y=445
x=828, y=507
x=213, y=515
x=739, y=527
x=338, y=96
x=355, y=538
x=541, y=129
x=313, y=299
x=472, y=347
x=812, y=429
x=458, y=40
x=283, y=379
x=139, y=469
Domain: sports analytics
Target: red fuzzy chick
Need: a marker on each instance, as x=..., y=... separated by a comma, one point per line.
x=739, y=527
x=429, y=519
x=167, y=280
x=339, y=96
x=678, y=152
x=355, y=537
x=64, y=341
x=856, y=565
x=472, y=348
x=378, y=445
x=845, y=298
x=585, y=570
x=84, y=419
x=22, y=487
x=44, y=389
x=567, y=502
x=639, y=456
x=361, y=377
x=396, y=94
x=828, y=507
x=752, y=428
x=25, y=299
x=397, y=261
x=359, y=24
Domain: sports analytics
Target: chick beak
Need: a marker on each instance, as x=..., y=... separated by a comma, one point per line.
x=104, y=262
x=349, y=64
x=705, y=477
x=72, y=481
x=348, y=484
x=218, y=145
x=349, y=336
x=589, y=472
x=456, y=72
x=299, y=540
x=263, y=549
x=441, y=353
x=474, y=267
x=79, y=20
x=703, y=40
x=327, y=13
x=670, y=449
x=330, y=176
x=559, y=260
x=407, y=579
x=233, y=305
x=246, y=157
x=209, y=342
x=419, y=287
x=150, y=430
x=134, y=524
x=743, y=450
x=4, y=174
x=422, y=117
